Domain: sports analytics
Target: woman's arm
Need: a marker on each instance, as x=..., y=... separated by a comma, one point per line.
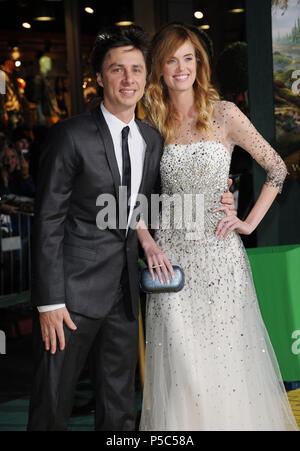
x=246, y=227
x=241, y=131
x=156, y=258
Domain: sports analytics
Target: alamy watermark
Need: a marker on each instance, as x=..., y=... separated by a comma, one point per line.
x=2, y=342
x=296, y=343
x=178, y=211
x=296, y=84
x=2, y=82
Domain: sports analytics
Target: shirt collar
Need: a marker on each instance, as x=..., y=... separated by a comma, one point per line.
x=113, y=121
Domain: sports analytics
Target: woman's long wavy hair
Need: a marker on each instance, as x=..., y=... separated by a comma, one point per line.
x=160, y=111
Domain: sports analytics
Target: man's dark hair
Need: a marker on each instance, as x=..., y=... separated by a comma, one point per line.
x=115, y=37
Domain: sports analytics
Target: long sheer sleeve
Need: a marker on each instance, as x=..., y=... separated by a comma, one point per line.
x=240, y=131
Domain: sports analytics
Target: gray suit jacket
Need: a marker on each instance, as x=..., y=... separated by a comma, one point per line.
x=73, y=261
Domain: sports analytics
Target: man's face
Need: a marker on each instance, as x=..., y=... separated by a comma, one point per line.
x=123, y=79
x=22, y=144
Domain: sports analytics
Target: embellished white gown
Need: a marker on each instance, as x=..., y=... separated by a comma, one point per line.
x=209, y=361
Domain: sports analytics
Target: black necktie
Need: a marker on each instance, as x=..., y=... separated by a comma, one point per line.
x=126, y=176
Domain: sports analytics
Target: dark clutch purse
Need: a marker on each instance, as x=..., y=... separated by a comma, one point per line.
x=154, y=286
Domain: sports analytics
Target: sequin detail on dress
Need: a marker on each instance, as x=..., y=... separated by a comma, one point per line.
x=209, y=361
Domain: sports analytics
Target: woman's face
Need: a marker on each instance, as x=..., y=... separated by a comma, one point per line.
x=180, y=70
x=10, y=160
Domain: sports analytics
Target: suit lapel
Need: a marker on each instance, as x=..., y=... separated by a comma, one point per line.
x=106, y=140
x=109, y=147
x=149, y=144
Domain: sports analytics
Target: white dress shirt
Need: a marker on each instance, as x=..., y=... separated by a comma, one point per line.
x=137, y=150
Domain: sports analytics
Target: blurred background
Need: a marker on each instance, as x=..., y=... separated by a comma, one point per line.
x=46, y=76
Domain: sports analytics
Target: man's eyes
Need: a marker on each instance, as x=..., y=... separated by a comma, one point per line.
x=119, y=69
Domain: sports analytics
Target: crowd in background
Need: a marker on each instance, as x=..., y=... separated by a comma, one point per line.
x=28, y=107
x=16, y=178
x=17, y=191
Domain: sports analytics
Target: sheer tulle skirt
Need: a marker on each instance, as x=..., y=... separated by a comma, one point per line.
x=209, y=361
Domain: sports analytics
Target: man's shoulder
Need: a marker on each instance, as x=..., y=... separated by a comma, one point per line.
x=152, y=131
x=75, y=122
x=73, y=129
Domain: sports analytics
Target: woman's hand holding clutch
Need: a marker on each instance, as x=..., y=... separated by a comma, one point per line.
x=157, y=260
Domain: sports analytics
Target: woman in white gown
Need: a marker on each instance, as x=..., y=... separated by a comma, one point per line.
x=209, y=361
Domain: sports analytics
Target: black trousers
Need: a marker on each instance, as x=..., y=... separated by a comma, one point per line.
x=112, y=345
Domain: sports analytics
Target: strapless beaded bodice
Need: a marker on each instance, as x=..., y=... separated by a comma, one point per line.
x=200, y=168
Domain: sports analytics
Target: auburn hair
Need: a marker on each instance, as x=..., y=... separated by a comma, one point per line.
x=160, y=111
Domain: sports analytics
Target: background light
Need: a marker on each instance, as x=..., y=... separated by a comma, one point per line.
x=18, y=63
x=44, y=18
x=26, y=25
x=89, y=10
x=198, y=14
x=236, y=7
x=124, y=23
x=237, y=10
x=43, y=13
x=124, y=16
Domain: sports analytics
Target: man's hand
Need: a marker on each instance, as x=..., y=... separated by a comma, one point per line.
x=228, y=202
x=52, y=327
